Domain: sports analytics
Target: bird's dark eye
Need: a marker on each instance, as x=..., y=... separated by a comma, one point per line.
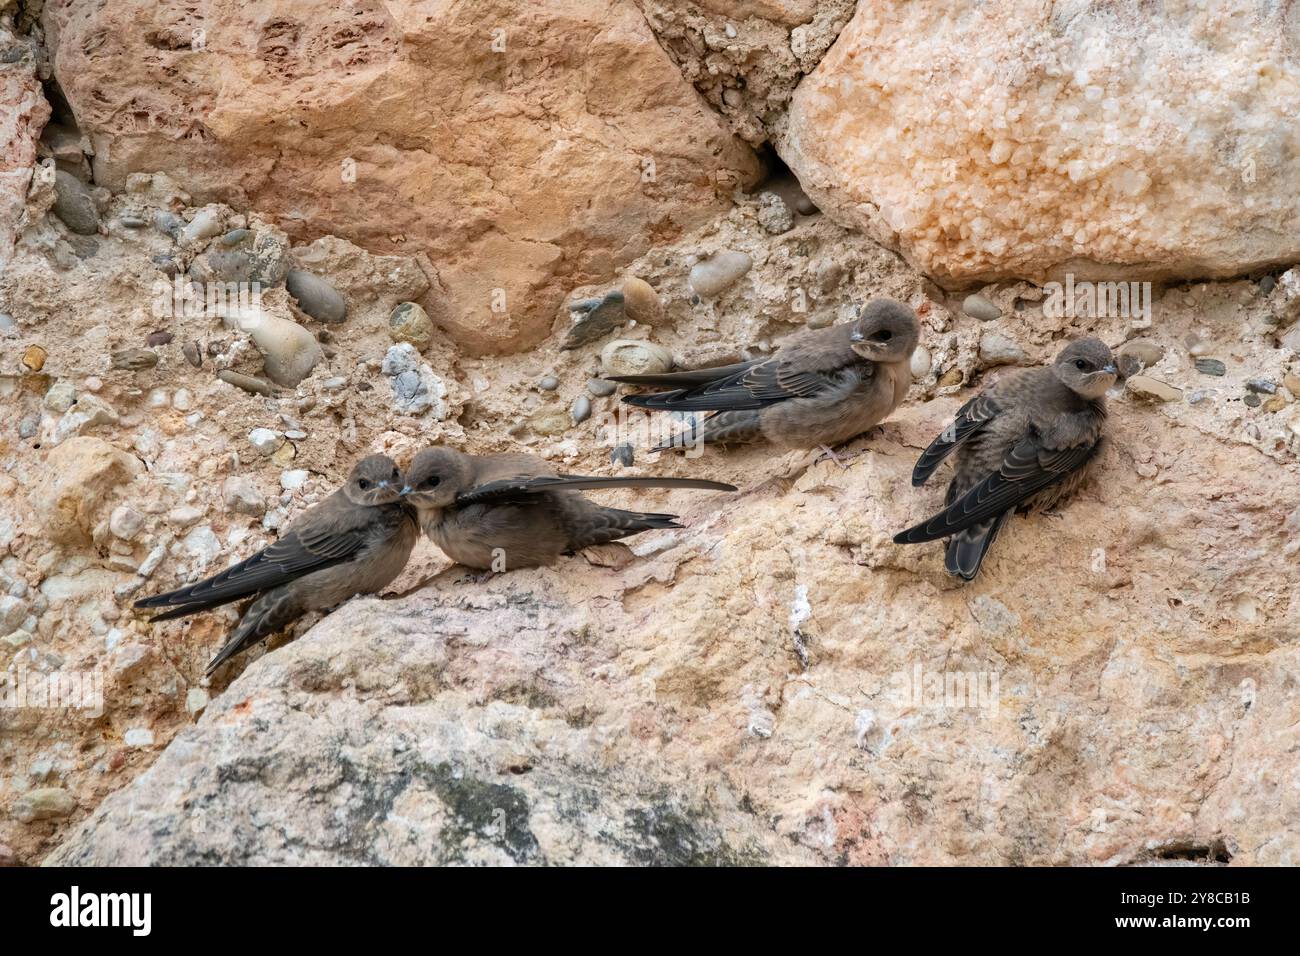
x=397, y=475
x=1081, y=365
x=363, y=484
x=432, y=482
x=884, y=335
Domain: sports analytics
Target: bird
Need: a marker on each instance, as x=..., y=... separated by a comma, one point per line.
x=820, y=388
x=1024, y=443
x=356, y=541
x=500, y=512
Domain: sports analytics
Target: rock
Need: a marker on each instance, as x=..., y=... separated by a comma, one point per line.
x=183, y=516
x=316, y=297
x=549, y=421
x=13, y=612
x=167, y=223
x=1285, y=298
x=641, y=151
x=240, y=495
x=205, y=224
x=88, y=413
x=416, y=389
x=294, y=479
x=60, y=397
x=920, y=363
x=548, y=383
x=622, y=455
x=74, y=204
x=44, y=803
x=134, y=360
x=978, y=307
x=998, y=349
x=1138, y=354
x=247, y=382
x=1208, y=366
x=192, y=354
x=714, y=276
x=265, y=440
x=158, y=338
x=82, y=475
x=34, y=358
x=594, y=318
x=982, y=142
x=138, y=737
x=632, y=357
x=410, y=323
x=1261, y=386
x=1292, y=382
x=1153, y=389
x=290, y=352
x=773, y=214
x=641, y=302
x=601, y=388
x=125, y=523
x=1252, y=400
x=581, y=410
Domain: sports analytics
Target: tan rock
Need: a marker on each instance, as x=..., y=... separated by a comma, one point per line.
x=23, y=113
x=81, y=475
x=521, y=149
x=986, y=140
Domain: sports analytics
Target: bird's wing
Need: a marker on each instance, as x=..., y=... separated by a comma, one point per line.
x=753, y=385
x=1027, y=469
x=971, y=417
x=685, y=379
x=523, y=487
x=335, y=536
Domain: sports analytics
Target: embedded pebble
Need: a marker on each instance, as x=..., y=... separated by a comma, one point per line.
x=920, y=363
x=410, y=323
x=1266, y=285
x=600, y=388
x=316, y=297
x=160, y=337
x=132, y=222
x=7, y=322
x=334, y=383
x=167, y=265
x=1262, y=386
x=44, y=803
x=247, y=382
x=205, y=224
x=29, y=426
x=294, y=479
x=192, y=354
x=134, y=360
x=978, y=307
x=549, y=421
x=138, y=737
x=998, y=349
x=415, y=388
x=1196, y=345
x=641, y=302
x=184, y=516
x=34, y=358
x=13, y=612
x=581, y=410
x=804, y=206
x=196, y=700
x=1292, y=382
x=295, y=434
x=289, y=351
x=1139, y=354
x=182, y=401
x=631, y=357
x=714, y=276
x=240, y=495
x=168, y=223
x=549, y=384
x=1208, y=366
x=265, y=440
x=594, y=318
x=622, y=455
x=1252, y=400
x=235, y=236
x=74, y=204
x=774, y=215
x=125, y=522
x=60, y=397
x=1153, y=389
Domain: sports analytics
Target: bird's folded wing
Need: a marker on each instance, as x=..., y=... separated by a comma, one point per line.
x=754, y=385
x=311, y=547
x=1027, y=469
x=521, y=488
x=971, y=417
x=685, y=379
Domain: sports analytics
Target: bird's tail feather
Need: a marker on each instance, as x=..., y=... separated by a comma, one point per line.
x=722, y=428
x=268, y=614
x=966, y=549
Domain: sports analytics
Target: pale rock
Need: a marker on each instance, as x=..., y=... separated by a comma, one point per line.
x=89, y=412
x=138, y=737
x=44, y=803
x=294, y=479
x=633, y=357
x=416, y=389
x=265, y=440
x=60, y=397
x=13, y=612
x=82, y=475
x=289, y=351
x=183, y=516
x=125, y=522
x=715, y=275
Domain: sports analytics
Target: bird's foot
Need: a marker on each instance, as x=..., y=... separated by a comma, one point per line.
x=828, y=452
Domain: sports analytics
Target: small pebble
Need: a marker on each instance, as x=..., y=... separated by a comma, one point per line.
x=196, y=700
x=1252, y=400
x=158, y=338
x=29, y=426
x=134, y=360
x=1262, y=386
x=235, y=236
x=290, y=351
x=247, y=382
x=129, y=221
x=192, y=354
x=1139, y=354
x=594, y=318
x=60, y=397
x=631, y=357
x=774, y=215
x=714, y=276
x=1153, y=389
x=920, y=363
x=1198, y=395
x=45, y=803
x=998, y=349
x=549, y=384
x=1266, y=285
x=316, y=297
x=168, y=223
x=622, y=455
x=804, y=206
x=581, y=410
x=265, y=440
x=167, y=265
x=1292, y=382
x=1207, y=366
x=294, y=479
x=549, y=421
x=74, y=204
x=410, y=323
x=978, y=307
x=641, y=302
x=34, y=358
x=205, y=224
x=600, y=388
x=138, y=737
x=240, y=495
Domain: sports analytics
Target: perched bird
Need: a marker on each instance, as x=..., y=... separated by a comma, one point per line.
x=821, y=387
x=356, y=541
x=1024, y=443
x=496, y=512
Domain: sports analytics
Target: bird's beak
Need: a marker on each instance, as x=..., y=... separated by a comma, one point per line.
x=855, y=336
x=406, y=490
x=1110, y=370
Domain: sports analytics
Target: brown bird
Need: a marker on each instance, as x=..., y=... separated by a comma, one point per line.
x=356, y=541
x=821, y=387
x=1024, y=443
x=495, y=512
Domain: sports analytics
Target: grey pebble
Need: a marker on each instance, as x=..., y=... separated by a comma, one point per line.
x=600, y=388
x=594, y=318
x=134, y=360
x=1266, y=285
x=132, y=222
x=774, y=215
x=28, y=426
x=74, y=204
x=1262, y=386
x=549, y=384
x=7, y=322
x=804, y=206
x=1198, y=395
x=235, y=236
x=334, y=384
x=167, y=265
x=1208, y=366
x=716, y=275
x=192, y=354
x=247, y=382
x=1252, y=400
x=315, y=296
x=622, y=455
x=167, y=222
x=978, y=307
x=160, y=337
x=581, y=410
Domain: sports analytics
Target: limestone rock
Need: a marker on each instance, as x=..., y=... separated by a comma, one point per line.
x=82, y=474
x=993, y=139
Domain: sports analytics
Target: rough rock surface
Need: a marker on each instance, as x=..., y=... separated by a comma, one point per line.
x=517, y=149
x=23, y=112
x=1015, y=138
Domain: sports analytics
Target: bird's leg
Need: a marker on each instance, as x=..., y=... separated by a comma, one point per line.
x=828, y=452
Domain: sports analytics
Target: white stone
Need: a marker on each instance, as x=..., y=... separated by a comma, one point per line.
x=265, y=440
x=125, y=522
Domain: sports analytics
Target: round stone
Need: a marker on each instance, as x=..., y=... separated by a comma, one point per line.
x=410, y=323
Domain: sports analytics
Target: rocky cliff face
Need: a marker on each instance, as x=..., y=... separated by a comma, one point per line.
x=776, y=682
